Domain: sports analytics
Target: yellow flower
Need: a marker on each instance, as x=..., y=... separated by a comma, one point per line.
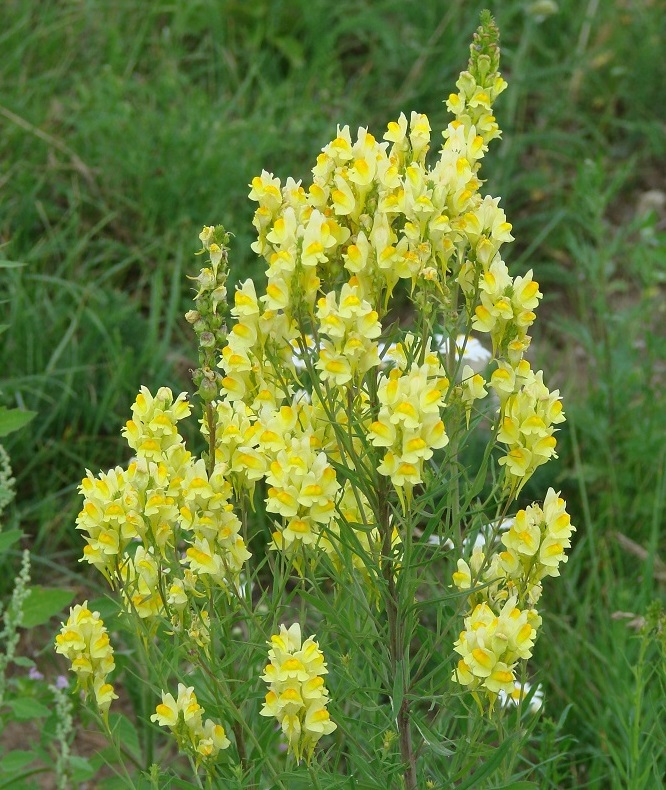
x=111, y=515
x=491, y=645
x=297, y=696
x=184, y=717
x=303, y=487
x=152, y=431
x=472, y=389
x=84, y=640
x=140, y=583
x=408, y=423
x=527, y=427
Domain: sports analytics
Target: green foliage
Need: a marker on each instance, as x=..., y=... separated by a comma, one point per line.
x=13, y=419
x=610, y=343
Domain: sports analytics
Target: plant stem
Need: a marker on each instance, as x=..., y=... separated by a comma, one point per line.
x=636, y=719
x=211, y=422
x=395, y=638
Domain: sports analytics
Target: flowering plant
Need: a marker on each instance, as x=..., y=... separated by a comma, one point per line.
x=341, y=491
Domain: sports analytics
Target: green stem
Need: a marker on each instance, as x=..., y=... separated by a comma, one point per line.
x=195, y=772
x=240, y=722
x=122, y=755
x=396, y=636
x=211, y=422
x=635, y=753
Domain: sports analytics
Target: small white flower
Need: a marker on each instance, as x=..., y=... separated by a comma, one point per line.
x=519, y=693
x=487, y=531
x=436, y=540
x=472, y=352
x=297, y=357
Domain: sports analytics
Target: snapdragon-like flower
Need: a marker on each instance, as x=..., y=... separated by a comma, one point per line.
x=507, y=306
x=491, y=646
x=409, y=424
x=297, y=696
x=258, y=344
x=152, y=431
x=537, y=541
x=527, y=420
x=84, y=640
x=111, y=516
x=303, y=487
x=140, y=583
x=350, y=326
x=237, y=443
x=533, y=546
x=217, y=550
x=184, y=717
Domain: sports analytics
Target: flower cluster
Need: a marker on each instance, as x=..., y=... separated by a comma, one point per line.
x=528, y=414
x=152, y=432
x=84, y=640
x=303, y=486
x=408, y=423
x=184, y=717
x=536, y=544
x=506, y=308
x=350, y=326
x=137, y=520
x=258, y=346
x=311, y=392
x=491, y=645
x=533, y=547
x=297, y=696
x=238, y=444
x=376, y=213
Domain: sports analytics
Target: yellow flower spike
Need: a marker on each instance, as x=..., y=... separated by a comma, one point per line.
x=85, y=642
x=297, y=696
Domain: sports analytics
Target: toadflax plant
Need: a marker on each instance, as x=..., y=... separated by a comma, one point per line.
x=336, y=587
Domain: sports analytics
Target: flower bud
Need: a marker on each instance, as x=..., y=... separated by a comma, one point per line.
x=208, y=390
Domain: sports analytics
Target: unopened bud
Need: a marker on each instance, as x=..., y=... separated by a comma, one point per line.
x=208, y=390
x=483, y=65
x=206, y=340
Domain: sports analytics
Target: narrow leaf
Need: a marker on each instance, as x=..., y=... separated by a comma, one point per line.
x=488, y=768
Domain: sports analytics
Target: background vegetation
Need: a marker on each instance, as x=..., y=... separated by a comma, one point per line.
x=126, y=126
